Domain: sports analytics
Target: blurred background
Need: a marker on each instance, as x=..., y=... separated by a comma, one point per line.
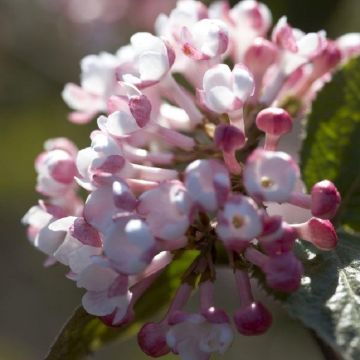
x=41, y=43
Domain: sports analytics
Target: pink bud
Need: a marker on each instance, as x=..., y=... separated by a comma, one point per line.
x=253, y=319
x=152, y=339
x=319, y=232
x=260, y=55
x=274, y=121
x=229, y=138
x=216, y=316
x=325, y=199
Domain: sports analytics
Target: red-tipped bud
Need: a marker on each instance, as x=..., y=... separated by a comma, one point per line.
x=215, y=316
x=260, y=55
x=319, y=232
x=325, y=199
x=283, y=272
x=152, y=339
x=229, y=138
x=274, y=121
x=254, y=319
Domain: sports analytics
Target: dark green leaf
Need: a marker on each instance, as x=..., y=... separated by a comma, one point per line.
x=84, y=333
x=329, y=300
x=331, y=149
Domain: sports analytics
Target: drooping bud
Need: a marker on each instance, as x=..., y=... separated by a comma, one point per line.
x=319, y=232
x=253, y=319
x=325, y=199
x=152, y=339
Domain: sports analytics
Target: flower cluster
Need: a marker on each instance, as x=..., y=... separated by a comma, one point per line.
x=177, y=162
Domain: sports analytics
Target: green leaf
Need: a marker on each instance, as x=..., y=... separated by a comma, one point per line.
x=329, y=300
x=84, y=333
x=331, y=149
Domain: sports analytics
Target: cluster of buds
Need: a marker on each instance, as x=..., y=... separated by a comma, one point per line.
x=177, y=164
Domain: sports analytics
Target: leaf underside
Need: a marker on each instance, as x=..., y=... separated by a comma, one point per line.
x=329, y=300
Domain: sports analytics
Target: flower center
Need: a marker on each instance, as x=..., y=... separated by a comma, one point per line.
x=266, y=182
x=238, y=221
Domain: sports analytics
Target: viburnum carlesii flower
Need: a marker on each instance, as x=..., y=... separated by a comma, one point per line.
x=208, y=183
x=252, y=318
x=129, y=244
x=81, y=243
x=275, y=122
x=177, y=167
x=152, y=58
x=98, y=83
x=283, y=272
x=349, y=45
x=38, y=219
x=320, y=233
x=167, y=210
x=152, y=336
x=56, y=167
x=248, y=19
x=270, y=175
x=229, y=139
x=107, y=290
x=206, y=39
x=106, y=156
x=225, y=91
x=239, y=222
x=128, y=113
x=323, y=201
x=277, y=237
x=186, y=13
x=193, y=336
x=260, y=55
x=294, y=42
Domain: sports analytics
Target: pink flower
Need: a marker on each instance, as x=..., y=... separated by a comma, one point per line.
x=167, y=211
x=225, y=91
x=98, y=83
x=129, y=244
x=193, y=336
x=56, y=168
x=239, y=222
x=205, y=39
x=270, y=176
x=152, y=60
x=208, y=183
x=107, y=291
